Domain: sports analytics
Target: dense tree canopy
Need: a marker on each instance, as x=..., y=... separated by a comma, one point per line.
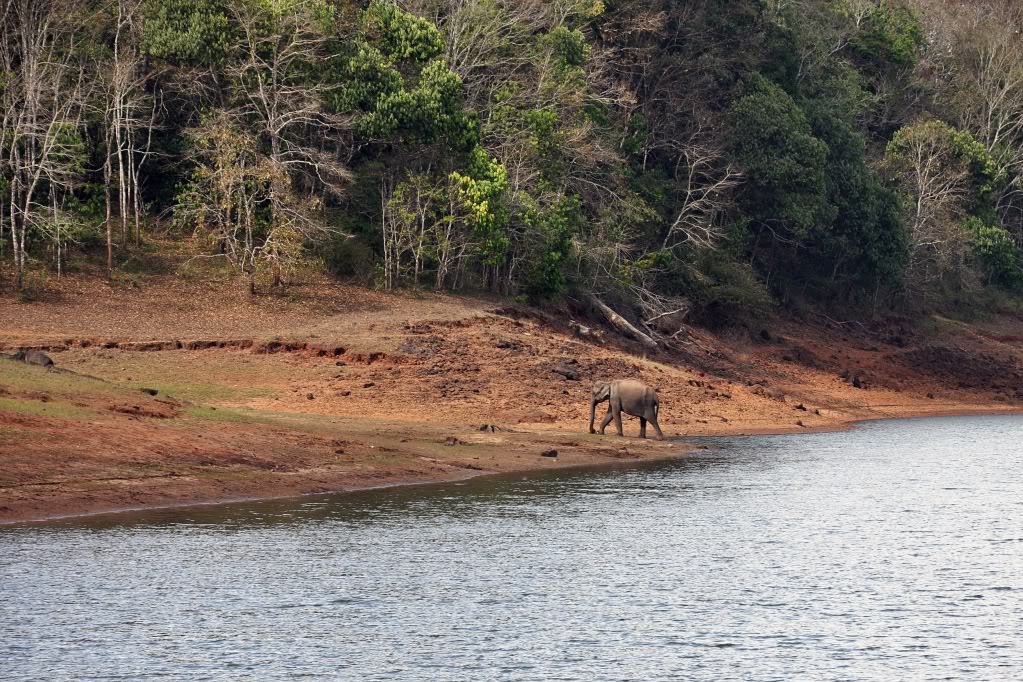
x=666, y=154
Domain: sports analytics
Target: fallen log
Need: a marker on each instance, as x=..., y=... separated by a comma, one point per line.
x=623, y=325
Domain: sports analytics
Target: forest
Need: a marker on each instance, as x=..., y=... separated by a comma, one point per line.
x=718, y=158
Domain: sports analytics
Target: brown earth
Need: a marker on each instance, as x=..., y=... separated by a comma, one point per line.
x=338, y=388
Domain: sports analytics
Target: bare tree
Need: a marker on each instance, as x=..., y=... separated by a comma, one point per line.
x=284, y=107
x=938, y=181
x=706, y=180
x=976, y=58
x=129, y=113
x=267, y=163
x=410, y=214
x=43, y=107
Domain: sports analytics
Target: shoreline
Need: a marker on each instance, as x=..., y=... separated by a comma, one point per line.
x=688, y=449
x=161, y=399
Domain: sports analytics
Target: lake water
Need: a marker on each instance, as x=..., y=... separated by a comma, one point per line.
x=892, y=552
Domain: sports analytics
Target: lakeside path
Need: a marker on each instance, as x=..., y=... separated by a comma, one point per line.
x=338, y=388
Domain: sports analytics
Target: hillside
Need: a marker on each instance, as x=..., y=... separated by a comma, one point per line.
x=338, y=388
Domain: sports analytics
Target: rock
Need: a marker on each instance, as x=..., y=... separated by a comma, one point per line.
x=489, y=428
x=770, y=392
x=584, y=332
x=368, y=384
x=343, y=394
x=549, y=453
x=856, y=377
x=451, y=441
x=505, y=343
x=566, y=372
x=800, y=424
x=765, y=335
x=150, y=391
x=930, y=396
x=801, y=407
x=34, y=357
x=340, y=363
x=310, y=396
x=802, y=356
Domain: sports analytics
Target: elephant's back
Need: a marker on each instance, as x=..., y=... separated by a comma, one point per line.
x=633, y=386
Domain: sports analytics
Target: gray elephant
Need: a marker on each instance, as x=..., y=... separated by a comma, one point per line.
x=628, y=396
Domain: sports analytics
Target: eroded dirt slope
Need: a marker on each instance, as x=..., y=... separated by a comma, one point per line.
x=338, y=388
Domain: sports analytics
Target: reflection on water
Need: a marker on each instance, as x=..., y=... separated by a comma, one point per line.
x=891, y=552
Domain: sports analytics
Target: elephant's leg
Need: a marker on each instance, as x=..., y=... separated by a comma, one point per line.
x=657, y=428
x=616, y=411
x=642, y=427
x=605, y=421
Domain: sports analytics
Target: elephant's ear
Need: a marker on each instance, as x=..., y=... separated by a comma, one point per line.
x=601, y=392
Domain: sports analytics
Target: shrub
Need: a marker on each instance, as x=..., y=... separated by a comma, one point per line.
x=351, y=259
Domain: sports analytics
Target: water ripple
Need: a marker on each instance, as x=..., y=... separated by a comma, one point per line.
x=889, y=552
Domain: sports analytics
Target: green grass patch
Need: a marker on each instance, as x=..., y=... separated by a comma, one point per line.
x=228, y=415
x=53, y=409
x=198, y=393
x=23, y=377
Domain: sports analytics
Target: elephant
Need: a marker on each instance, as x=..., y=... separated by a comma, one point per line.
x=628, y=396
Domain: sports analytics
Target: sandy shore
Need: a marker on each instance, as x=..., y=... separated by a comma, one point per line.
x=338, y=389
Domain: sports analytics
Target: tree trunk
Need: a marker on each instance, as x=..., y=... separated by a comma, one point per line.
x=623, y=325
x=107, y=177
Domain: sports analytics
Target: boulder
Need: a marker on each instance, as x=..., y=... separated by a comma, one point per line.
x=34, y=357
x=567, y=372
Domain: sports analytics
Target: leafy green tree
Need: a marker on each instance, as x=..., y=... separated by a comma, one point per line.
x=867, y=243
x=1000, y=257
x=890, y=33
x=550, y=231
x=396, y=82
x=480, y=201
x=784, y=193
x=399, y=35
x=187, y=32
